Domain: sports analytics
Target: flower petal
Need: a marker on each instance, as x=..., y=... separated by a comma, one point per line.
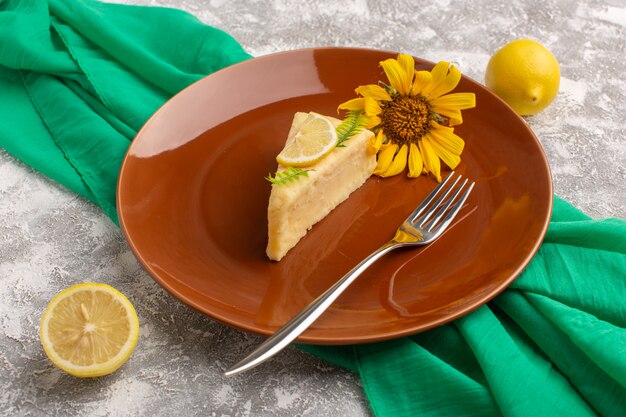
x=397, y=76
x=448, y=84
x=388, y=144
x=354, y=104
x=416, y=165
x=398, y=164
x=373, y=91
x=372, y=122
x=407, y=63
x=455, y=101
x=454, y=115
x=375, y=143
x=451, y=159
x=446, y=137
x=372, y=108
x=385, y=157
x=422, y=78
x=438, y=74
x=431, y=160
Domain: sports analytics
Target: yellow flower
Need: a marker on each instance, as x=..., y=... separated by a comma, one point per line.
x=413, y=117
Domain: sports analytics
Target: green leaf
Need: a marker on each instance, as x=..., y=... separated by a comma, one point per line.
x=350, y=126
x=288, y=175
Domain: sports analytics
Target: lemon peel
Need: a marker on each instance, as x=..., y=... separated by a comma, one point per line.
x=525, y=74
x=312, y=141
x=89, y=329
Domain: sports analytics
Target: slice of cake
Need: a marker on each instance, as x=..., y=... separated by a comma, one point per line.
x=295, y=206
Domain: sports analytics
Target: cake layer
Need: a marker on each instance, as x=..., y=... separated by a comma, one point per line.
x=296, y=206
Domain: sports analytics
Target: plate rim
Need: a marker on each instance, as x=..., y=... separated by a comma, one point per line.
x=311, y=339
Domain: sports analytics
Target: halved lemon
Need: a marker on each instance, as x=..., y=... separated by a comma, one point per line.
x=315, y=139
x=89, y=329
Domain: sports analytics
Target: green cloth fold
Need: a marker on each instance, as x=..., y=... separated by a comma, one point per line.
x=111, y=66
x=78, y=78
x=552, y=344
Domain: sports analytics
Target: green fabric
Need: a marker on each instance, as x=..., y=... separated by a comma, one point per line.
x=79, y=78
x=553, y=344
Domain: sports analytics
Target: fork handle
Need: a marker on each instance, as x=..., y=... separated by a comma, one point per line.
x=299, y=323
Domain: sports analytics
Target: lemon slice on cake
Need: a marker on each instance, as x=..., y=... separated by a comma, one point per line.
x=315, y=138
x=295, y=206
x=89, y=329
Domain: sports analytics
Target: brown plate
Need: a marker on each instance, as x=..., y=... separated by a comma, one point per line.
x=192, y=203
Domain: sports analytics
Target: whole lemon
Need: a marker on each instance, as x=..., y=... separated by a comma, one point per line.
x=524, y=74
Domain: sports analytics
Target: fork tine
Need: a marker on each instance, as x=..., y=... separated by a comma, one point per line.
x=418, y=211
x=453, y=211
x=437, y=204
x=441, y=211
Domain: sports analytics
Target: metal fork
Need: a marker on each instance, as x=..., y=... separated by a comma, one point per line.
x=429, y=220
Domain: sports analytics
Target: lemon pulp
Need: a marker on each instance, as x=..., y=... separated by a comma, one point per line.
x=89, y=330
x=313, y=140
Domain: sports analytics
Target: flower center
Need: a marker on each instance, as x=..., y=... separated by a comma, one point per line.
x=406, y=119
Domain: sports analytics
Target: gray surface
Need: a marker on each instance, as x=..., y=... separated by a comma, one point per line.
x=51, y=239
